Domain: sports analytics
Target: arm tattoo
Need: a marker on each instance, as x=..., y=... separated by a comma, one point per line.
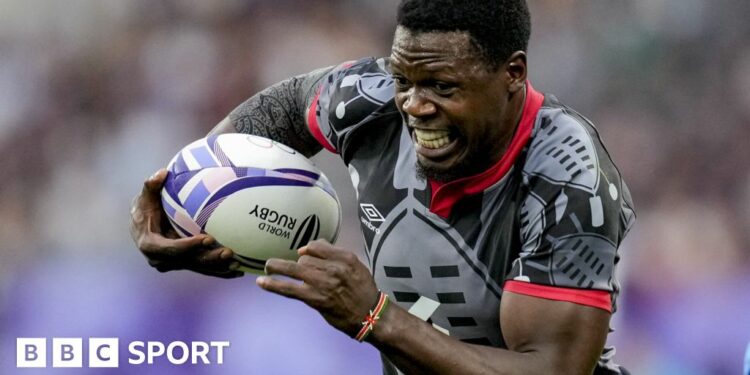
x=278, y=112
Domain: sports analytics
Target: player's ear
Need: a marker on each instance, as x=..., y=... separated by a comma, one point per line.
x=515, y=71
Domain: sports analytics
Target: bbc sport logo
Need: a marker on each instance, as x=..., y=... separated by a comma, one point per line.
x=104, y=352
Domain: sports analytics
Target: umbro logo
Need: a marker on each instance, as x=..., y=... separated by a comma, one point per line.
x=371, y=215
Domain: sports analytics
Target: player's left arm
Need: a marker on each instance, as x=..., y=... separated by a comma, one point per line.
x=543, y=336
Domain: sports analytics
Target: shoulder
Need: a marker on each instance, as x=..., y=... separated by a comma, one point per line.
x=566, y=148
x=350, y=95
x=575, y=208
x=368, y=79
x=568, y=171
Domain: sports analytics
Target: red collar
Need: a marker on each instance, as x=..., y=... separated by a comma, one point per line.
x=445, y=195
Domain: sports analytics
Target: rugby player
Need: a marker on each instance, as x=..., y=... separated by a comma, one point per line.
x=491, y=213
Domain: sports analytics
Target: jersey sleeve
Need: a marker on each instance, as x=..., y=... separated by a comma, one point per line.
x=575, y=212
x=350, y=95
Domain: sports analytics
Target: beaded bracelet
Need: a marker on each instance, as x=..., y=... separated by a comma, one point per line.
x=369, y=322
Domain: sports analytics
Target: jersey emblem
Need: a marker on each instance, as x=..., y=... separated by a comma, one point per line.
x=371, y=216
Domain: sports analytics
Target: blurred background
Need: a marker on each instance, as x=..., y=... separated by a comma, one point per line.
x=95, y=95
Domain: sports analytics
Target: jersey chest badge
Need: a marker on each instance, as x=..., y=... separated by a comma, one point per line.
x=371, y=218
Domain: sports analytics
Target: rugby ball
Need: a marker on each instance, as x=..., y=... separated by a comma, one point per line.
x=258, y=197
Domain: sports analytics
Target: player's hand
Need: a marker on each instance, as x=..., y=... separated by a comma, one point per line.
x=162, y=246
x=334, y=282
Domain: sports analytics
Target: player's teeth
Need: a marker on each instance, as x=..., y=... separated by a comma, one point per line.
x=437, y=143
x=432, y=138
x=431, y=135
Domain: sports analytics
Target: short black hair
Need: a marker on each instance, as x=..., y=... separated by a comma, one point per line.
x=497, y=28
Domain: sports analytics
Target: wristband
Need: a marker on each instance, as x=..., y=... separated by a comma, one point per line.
x=369, y=322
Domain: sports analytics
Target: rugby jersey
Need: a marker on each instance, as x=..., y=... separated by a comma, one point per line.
x=546, y=220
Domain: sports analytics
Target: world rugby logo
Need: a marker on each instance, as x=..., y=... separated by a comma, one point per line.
x=306, y=232
x=252, y=195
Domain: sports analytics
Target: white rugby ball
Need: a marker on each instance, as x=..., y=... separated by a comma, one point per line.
x=256, y=196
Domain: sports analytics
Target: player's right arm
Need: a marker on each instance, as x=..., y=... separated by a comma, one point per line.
x=279, y=112
x=296, y=112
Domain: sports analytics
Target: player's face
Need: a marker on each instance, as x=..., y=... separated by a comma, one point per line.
x=457, y=108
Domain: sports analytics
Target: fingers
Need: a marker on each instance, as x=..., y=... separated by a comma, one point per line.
x=155, y=182
x=284, y=267
x=148, y=199
x=190, y=252
x=319, y=249
x=300, y=271
x=217, y=257
x=154, y=245
x=318, y=274
x=214, y=262
x=323, y=273
x=223, y=275
x=341, y=290
x=324, y=250
x=285, y=288
x=164, y=250
x=311, y=261
x=146, y=211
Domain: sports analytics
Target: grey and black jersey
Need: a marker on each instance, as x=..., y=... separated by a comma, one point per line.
x=545, y=221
